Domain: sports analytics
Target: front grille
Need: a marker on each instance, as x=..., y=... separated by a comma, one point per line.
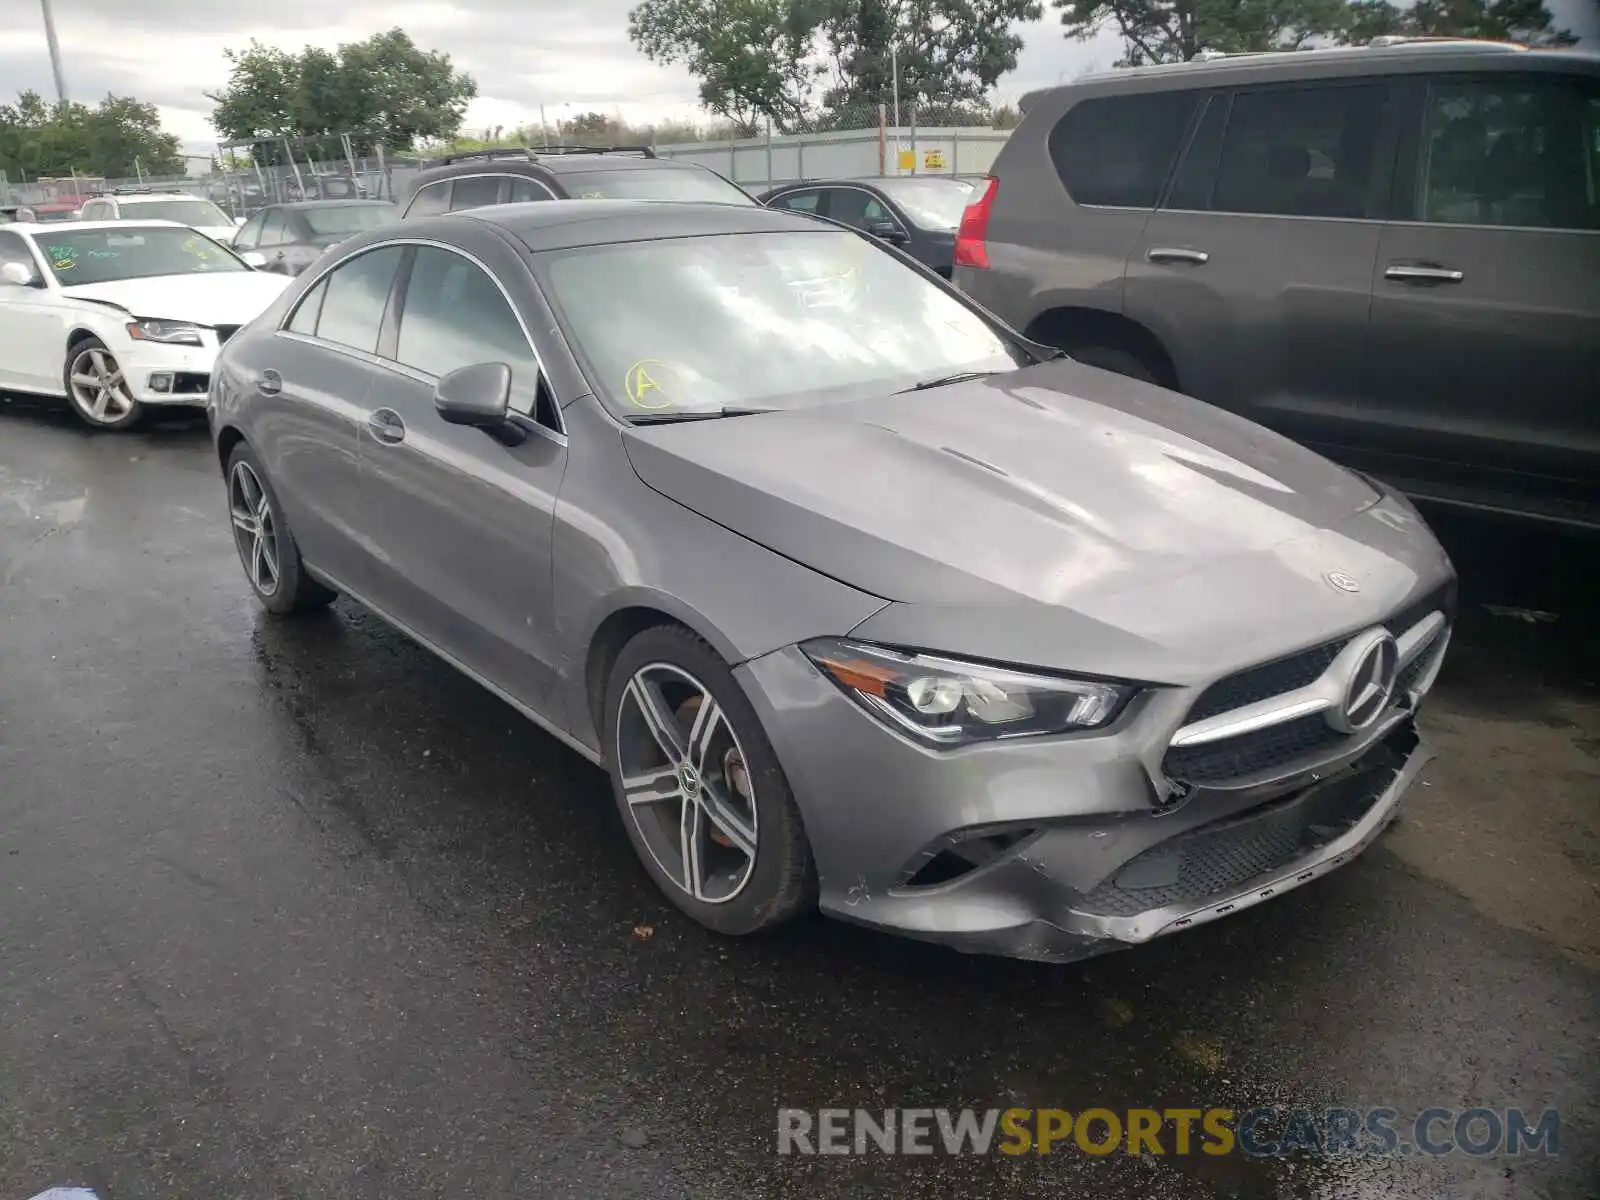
x=1212, y=861
x=224, y=332
x=1263, y=682
x=1261, y=750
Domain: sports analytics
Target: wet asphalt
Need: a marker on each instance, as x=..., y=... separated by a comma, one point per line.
x=290, y=909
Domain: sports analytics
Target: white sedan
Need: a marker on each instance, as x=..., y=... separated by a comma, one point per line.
x=120, y=315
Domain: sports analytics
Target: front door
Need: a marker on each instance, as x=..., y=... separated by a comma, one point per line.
x=32, y=345
x=463, y=520
x=1486, y=295
x=1256, y=272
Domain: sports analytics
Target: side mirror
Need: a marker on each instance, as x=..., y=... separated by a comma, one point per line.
x=15, y=274
x=239, y=220
x=254, y=258
x=888, y=231
x=479, y=396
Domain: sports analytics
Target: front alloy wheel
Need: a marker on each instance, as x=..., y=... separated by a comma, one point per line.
x=98, y=388
x=688, y=790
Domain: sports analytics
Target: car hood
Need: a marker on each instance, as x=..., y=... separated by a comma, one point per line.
x=1060, y=484
x=226, y=298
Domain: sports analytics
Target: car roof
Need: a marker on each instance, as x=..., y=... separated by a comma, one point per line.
x=1402, y=55
x=502, y=163
x=77, y=226
x=137, y=197
x=543, y=225
x=348, y=202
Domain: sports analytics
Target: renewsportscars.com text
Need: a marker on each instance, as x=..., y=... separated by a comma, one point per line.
x=1256, y=1132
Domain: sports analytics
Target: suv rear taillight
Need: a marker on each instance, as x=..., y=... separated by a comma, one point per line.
x=972, y=239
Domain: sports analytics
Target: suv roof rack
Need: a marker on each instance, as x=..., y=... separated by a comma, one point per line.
x=1402, y=39
x=533, y=152
x=642, y=151
x=499, y=152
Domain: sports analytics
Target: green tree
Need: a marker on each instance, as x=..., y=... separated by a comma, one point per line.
x=1165, y=31
x=948, y=53
x=1527, y=21
x=754, y=58
x=385, y=90
x=118, y=138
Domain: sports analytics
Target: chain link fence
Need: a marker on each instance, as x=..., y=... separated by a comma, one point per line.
x=852, y=142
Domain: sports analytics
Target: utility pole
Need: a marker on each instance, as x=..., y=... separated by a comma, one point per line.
x=894, y=75
x=55, y=50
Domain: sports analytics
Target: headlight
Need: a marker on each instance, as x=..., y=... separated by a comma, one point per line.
x=949, y=703
x=173, y=333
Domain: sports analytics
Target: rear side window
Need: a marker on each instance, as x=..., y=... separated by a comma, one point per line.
x=357, y=295
x=525, y=190
x=1117, y=150
x=431, y=200
x=475, y=192
x=1305, y=152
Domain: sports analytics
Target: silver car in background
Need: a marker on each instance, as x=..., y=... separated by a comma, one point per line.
x=863, y=601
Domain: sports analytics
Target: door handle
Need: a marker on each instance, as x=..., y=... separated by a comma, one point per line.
x=1163, y=254
x=1422, y=273
x=269, y=383
x=385, y=425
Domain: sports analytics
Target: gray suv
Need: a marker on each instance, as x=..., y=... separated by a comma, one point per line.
x=1391, y=253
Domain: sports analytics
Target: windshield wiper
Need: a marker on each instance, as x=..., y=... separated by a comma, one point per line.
x=943, y=380
x=695, y=414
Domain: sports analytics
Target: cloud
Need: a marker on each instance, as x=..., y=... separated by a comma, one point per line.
x=569, y=58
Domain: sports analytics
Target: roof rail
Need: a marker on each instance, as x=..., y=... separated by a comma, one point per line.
x=642, y=151
x=1401, y=39
x=499, y=152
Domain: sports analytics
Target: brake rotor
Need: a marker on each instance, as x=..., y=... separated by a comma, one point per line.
x=734, y=771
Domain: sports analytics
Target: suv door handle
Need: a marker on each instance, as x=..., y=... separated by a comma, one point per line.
x=269, y=383
x=1422, y=273
x=1162, y=254
x=385, y=425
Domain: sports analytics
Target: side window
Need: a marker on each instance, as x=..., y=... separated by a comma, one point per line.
x=357, y=293
x=808, y=201
x=523, y=190
x=14, y=250
x=249, y=234
x=1304, y=152
x=272, y=229
x=475, y=192
x=308, y=310
x=856, y=207
x=1197, y=173
x=1510, y=151
x=431, y=200
x=455, y=316
x=1116, y=151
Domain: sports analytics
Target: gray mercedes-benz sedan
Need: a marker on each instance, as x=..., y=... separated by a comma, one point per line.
x=862, y=600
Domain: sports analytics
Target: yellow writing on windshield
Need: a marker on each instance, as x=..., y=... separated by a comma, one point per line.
x=651, y=383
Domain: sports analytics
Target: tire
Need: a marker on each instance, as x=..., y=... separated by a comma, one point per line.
x=267, y=548
x=753, y=866
x=1116, y=358
x=96, y=391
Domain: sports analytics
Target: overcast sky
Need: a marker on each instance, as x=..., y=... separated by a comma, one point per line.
x=570, y=57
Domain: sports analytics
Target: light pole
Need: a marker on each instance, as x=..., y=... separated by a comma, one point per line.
x=894, y=75
x=55, y=50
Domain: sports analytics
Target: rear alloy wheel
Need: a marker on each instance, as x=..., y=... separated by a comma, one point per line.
x=267, y=549
x=97, y=387
x=699, y=787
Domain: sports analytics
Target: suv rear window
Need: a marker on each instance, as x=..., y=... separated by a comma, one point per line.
x=1117, y=150
x=665, y=183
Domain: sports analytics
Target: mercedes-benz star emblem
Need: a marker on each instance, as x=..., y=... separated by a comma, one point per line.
x=1345, y=583
x=1370, y=686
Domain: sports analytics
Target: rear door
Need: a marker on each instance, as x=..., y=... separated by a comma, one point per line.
x=33, y=342
x=1256, y=271
x=314, y=378
x=1486, y=292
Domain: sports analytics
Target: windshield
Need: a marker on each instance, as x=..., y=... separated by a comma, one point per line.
x=348, y=218
x=666, y=183
x=185, y=212
x=105, y=255
x=931, y=203
x=788, y=320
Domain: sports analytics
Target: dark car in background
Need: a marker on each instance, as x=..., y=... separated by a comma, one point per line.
x=288, y=238
x=918, y=213
x=484, y=177
x=1390, y=253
